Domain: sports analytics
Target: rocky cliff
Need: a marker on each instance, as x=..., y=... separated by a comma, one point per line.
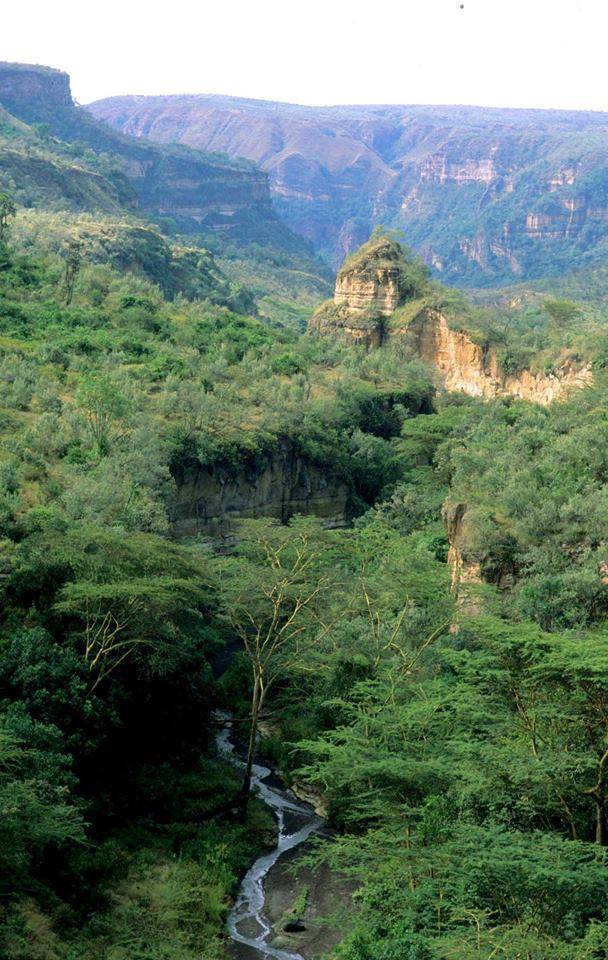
x=370, y=286
x=200, y=192
x=380, y=298
x=209, y=500
x=485, y=195
x=469, y=367
x=21, y=82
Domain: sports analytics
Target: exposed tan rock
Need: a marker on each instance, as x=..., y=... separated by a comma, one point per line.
x=311, y=795
x=369, y=288
x=469, y=367
x=372, y=305
x=209, y=501
x=374, y=289
x=438, y=169
x=465, y=569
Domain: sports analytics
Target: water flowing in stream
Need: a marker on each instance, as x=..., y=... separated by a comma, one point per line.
x=247, y=924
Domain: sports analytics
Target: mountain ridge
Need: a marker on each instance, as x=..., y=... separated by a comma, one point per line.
x=487, y=195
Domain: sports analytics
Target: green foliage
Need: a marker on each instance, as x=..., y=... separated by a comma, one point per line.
x=463, y=757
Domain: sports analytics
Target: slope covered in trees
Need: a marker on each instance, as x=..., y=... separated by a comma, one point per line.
x=167, y=211
x=458, y=739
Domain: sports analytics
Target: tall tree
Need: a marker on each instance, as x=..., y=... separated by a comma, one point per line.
x=7, y=211
x=272, y=591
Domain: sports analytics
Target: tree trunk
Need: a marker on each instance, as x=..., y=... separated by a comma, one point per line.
x=599, y=798
x=255, y=712
x=600, y=823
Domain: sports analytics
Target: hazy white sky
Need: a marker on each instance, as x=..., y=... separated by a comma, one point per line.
x=539, y=53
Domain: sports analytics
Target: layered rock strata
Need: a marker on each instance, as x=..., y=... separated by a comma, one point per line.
x=210, y=500
x=373, y=305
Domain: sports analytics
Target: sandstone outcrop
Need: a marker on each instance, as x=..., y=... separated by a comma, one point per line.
x=370, y=286
x=465, y=568
x=371, y=283
x=469, y=367
x=377, y=302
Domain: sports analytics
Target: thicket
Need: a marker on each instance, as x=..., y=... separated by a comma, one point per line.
x=464, y=769
x=119, y=836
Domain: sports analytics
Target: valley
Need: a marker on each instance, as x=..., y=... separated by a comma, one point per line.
x=486, y=196
x=303, y=575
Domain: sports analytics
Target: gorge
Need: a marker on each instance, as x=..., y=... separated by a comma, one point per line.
x=487, y=196
x=361, y=542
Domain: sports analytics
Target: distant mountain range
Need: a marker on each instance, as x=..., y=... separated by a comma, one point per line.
x=486, y=195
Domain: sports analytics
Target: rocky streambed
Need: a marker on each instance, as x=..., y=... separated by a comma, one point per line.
x=281, y=904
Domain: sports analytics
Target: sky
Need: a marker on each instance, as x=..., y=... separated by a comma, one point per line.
x=518, y=53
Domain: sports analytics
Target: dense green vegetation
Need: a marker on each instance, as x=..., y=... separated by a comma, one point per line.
x=117, y=841
x=465, y=770
x=459, y=738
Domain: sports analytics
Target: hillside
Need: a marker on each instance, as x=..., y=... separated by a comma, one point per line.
x=485, y=195
x=173, y=474
x=200, y=192
x=303, y=604
x=54, y=158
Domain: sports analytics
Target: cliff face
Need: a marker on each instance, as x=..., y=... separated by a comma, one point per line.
x=369, y=288
x=464, y=568
x=201, y=192
x=209, y=500
x=469, y=367
x=21, y=82
x=375, y=303
x=485, y=195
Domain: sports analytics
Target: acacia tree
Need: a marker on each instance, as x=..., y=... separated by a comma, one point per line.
x=103, y=406
x=73, y=261
x=118, y=619
x=272, y=592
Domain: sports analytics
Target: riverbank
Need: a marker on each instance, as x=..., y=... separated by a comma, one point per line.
x=284, y=909
x=323, y=905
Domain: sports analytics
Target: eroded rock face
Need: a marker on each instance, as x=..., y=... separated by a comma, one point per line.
x=372, y=285
x=465, y=568
x=472, y=368
x=209, y=501
x=21, y=83
x=369, y=288
x=335, y=171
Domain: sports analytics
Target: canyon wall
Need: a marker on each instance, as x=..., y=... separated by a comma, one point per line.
x=209, y=500
x=472, y=368
x=200, y=192
x=486, y=195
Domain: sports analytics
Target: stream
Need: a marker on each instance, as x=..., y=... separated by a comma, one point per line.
x=296, y=821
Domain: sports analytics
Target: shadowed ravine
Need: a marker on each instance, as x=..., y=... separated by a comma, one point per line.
x=296, y=821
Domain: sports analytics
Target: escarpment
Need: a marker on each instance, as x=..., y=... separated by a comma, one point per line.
x=469, y=367
x=37, y=85
x=485, y=195
x=381, y=297
x=210, y=499
x=200, y=192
